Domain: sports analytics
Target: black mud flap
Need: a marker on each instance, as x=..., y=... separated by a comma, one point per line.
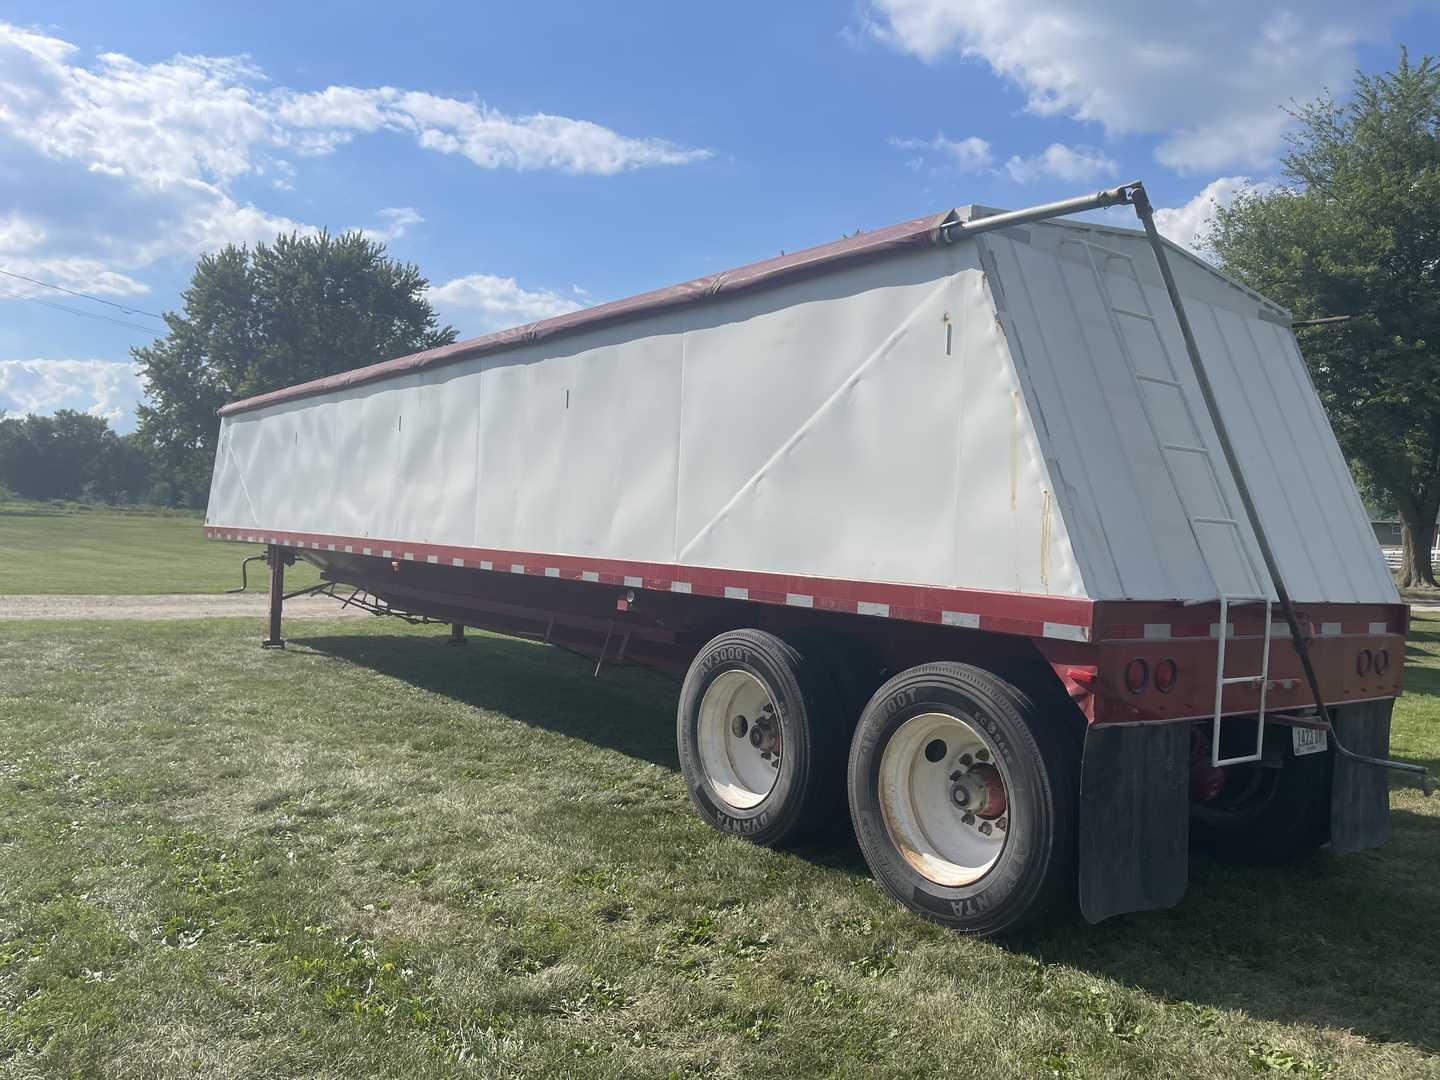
x=1360, y=794
x=1134, y=819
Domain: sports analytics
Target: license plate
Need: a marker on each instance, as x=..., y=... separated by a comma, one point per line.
x=1309, y=740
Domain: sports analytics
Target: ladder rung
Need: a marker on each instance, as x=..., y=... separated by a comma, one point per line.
x=1184, y=449
x=1158, y=379
x=1215, y=521
x=1133, y=314
x=1235, y=680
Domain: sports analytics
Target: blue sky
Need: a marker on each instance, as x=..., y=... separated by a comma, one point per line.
x=535, y=158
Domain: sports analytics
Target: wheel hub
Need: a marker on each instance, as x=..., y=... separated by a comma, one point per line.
x=739, y=738
x=944, y=799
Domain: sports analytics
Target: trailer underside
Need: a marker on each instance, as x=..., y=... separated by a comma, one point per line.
x=1139, y=766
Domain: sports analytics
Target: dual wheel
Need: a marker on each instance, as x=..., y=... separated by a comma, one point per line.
x=961, y=794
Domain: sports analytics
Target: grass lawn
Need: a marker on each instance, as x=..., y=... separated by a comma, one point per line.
x=375, y=855
x=72, y=549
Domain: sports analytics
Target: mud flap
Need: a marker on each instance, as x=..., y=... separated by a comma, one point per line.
x=1360, y=794
x=1134, y=819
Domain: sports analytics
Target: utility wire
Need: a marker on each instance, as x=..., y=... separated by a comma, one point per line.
x=82, y=295
x=76, y=311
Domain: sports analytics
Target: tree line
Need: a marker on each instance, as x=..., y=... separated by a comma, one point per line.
x=1352, y=229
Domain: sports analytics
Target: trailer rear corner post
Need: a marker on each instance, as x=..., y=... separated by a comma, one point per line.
x=457, y=634
x=277, y=557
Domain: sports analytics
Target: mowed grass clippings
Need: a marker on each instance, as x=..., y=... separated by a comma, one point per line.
x=374, y=855
x=74, y=549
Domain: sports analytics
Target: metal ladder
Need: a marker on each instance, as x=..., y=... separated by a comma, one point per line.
x=1254, y=588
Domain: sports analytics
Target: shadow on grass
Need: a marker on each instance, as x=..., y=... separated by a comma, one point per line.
x=1350, y=943
x=627, y=709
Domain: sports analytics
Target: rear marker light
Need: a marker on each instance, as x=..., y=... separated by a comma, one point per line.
x=1362, y=662
x=1137, y=675
x=1382, y=661
x=1167, y=674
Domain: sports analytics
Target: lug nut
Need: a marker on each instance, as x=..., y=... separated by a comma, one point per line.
x=1002, y=824
x=966, y=760
x=985, y=828
x=982, y=754
x=968, y=819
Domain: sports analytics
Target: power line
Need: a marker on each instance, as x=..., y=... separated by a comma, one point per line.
x=76, y=311
x=82, y=295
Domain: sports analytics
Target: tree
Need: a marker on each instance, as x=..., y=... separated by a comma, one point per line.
x=1356, y=231
x=256, y=320
x=69, y=455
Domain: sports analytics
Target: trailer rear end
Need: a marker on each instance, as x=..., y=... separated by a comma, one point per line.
x=943, y=526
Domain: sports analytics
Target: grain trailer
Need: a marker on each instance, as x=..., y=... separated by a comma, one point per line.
x=1025, y=539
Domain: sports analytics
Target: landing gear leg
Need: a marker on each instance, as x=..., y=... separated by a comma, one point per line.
x=457, y=634
x=277, y=558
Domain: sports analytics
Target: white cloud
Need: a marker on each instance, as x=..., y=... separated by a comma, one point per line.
x=1209, y=78
x=398, y=220
x=143, y=160
x=499, y=302
x=968, y=155
x=485, y=136
x=108, y=388
x=1057, y=161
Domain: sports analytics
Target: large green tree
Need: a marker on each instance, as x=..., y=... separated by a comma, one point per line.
x=1355, y=231
x=262, y=318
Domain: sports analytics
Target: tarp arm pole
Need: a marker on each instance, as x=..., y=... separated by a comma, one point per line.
x=1115, y=196
x=1135, y=194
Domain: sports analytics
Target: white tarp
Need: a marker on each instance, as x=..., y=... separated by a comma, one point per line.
x=963, y=415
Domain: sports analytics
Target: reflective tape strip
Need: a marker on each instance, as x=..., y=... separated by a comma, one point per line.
x=865, y=607
x=960, y=618
x=799, y=600
x=680, y=586
x=634, y=582
x=552, y=571
x=1066, y=632
x=1379, y=628
x=736, y=592
x=457, y=562
x=1157, y=631
x=589, y=575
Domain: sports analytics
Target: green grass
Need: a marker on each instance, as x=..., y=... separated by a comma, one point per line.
x=76, y=549
x=375, y=855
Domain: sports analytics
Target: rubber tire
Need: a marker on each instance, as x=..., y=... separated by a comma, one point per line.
x=1294, y=821
x=810, y=784
x=1036, y=867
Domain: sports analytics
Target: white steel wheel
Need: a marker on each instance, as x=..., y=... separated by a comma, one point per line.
x=739, y=739
x=944, y=797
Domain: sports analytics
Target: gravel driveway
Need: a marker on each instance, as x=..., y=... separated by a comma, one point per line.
x=168, y=606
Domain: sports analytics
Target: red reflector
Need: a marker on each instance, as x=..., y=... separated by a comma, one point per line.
x=1362, y=662
x=1137, y=675
x=1382, y=661
x=1167, y=674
